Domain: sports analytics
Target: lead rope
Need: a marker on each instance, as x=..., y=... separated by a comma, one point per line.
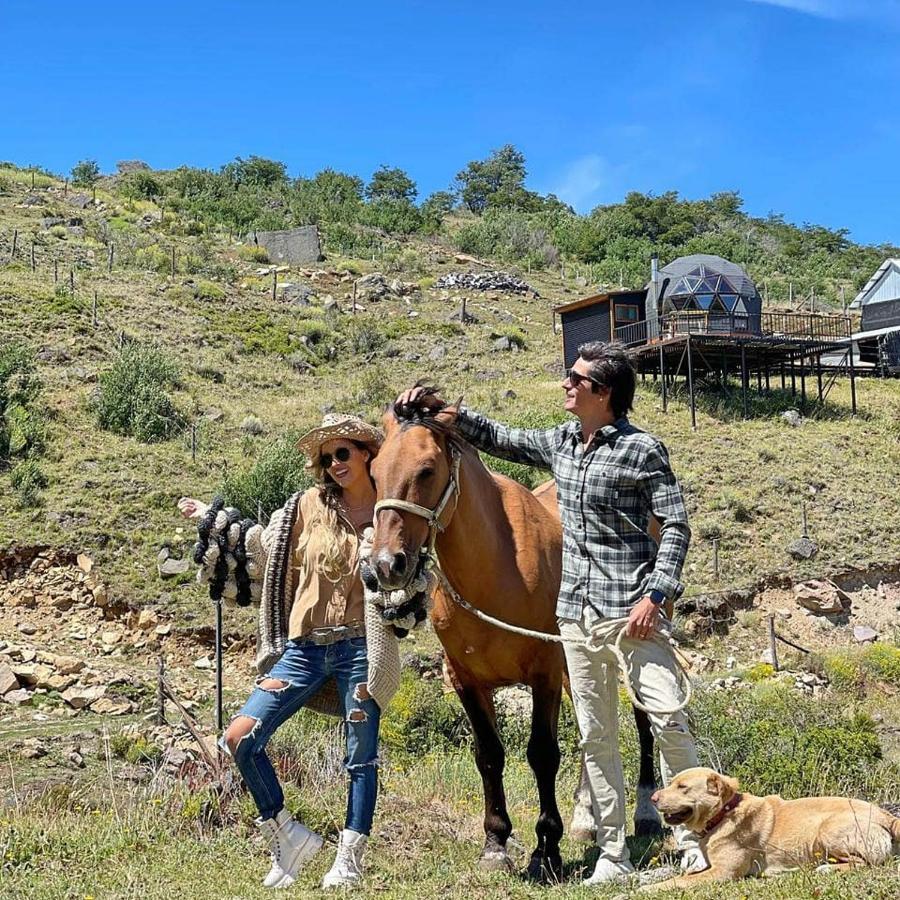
x=588, y=643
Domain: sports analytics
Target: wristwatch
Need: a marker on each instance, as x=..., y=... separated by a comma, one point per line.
x=657, y=597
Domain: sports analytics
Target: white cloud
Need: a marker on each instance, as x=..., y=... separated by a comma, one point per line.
x=827, y=9
x=840, y=9
x=582, y=180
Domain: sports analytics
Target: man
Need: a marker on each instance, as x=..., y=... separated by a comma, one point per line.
x=611, y=477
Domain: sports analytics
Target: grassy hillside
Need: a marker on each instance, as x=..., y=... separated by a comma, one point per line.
x=216, y=374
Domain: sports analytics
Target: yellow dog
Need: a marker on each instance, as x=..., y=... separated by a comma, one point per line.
x=745, y=835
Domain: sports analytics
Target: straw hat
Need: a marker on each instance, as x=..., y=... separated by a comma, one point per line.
x=334, y=426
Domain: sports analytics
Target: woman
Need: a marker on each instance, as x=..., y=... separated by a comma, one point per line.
x=318, y=596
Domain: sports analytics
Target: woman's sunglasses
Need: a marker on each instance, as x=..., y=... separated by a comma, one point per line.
x=575, y=378
x=342, y=454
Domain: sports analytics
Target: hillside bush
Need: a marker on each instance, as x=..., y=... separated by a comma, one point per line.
x=266, y=484
x=85, y=172
x=253, y=253
x=28, y=480
x=22, y=431
x=133, y=396
x=208, y=290
x=775, y=740
x=882, y=661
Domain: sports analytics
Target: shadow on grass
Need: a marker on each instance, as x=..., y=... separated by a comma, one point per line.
x=726, y=404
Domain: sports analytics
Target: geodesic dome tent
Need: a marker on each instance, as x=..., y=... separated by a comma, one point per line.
x=703, y=283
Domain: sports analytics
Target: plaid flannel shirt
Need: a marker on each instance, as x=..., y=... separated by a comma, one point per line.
x=607, y=492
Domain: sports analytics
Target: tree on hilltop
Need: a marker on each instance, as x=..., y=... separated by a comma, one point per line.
x=255, y=172
x=391, y=184
x=498, y=182
x=86, y=172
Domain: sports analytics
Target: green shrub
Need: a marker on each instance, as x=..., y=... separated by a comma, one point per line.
x=882, y=661
x=86, y=172
x=208, y=290
x=759, y=672
x=21, y=420
x=28, y=480
x=314, y=330
x=267, y=483
x=421, y=718
x=253, y=253
x=364, y=338
x=134, y=748
x=774, y=740
x=843, y=671
x=132, y=397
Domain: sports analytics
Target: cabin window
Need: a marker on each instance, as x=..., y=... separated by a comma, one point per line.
x=626, y=312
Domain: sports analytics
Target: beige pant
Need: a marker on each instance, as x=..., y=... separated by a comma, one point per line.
x=595, y=692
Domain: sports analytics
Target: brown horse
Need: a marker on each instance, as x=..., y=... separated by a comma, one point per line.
x=500, y=548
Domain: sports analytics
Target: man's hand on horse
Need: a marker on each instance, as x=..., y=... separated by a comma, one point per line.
x=420, y=396
x=191, y=508
x=643, y=619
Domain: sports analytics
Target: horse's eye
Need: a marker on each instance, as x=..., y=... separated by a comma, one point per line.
x=425, y=474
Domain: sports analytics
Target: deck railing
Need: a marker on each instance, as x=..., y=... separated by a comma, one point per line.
x=795, y=326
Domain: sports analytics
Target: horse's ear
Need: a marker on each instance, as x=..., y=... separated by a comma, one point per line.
x=447, y=416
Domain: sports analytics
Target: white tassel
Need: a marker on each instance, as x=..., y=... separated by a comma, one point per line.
x=234, y=535
x=221, y=522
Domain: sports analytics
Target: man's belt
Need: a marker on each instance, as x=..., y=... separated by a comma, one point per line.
x=322, y=637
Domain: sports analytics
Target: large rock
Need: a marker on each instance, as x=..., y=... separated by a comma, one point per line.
x=803, y=548
x=296, y=246
x=372, y=286
x=823, y=597
x=79, y=697
x=8, y=680
x=172, y=567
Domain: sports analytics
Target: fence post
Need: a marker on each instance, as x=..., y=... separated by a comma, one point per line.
x=715, y=543
x=804, y=520
x=773, y=649
x=353, y=301
x=66, y=189
x=160, y=690
x=15, y=240
x=173, y=260
x=72, y=282
x=94, y=311
x=56, y=270
x=462, y=312
x=109, y=264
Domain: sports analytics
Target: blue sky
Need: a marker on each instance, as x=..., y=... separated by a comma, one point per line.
x=791, y=102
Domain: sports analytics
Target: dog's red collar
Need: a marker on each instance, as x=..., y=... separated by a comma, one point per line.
x=716, y=820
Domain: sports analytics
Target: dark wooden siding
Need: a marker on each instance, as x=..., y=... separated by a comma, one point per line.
x=590, y=323
x=880, y=315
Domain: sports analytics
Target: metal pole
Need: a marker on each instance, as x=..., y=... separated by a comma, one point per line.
x=32, y=256
x=715, y=544
x=852, y=378
x=804, y=519
x=219, y=704
x=690, y=368
x=662, y=375
x=803, y=378
x=274, y=283
x=773, y=650
x=744, y=380
x=160, y=690
x=819, y=375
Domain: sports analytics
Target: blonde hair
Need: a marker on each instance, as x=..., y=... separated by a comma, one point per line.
x=333, y=564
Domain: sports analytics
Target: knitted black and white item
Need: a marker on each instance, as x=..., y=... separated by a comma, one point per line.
x=272, y=628
x=220, y=552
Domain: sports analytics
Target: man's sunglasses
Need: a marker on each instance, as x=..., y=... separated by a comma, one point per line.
x=342, y=454
x=575, y=378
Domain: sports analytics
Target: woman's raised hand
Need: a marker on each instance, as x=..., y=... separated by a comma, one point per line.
x=191, y=508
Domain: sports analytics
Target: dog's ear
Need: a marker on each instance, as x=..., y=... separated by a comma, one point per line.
x=722, y=786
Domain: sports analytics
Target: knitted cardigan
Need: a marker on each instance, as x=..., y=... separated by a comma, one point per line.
x=270, y=548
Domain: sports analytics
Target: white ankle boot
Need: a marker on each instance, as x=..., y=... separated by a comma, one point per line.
x=291, y=845
x=347, y=868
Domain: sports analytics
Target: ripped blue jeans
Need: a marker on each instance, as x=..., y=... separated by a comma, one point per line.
x=303, y=669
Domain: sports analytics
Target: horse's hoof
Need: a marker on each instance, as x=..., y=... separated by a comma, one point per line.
x=545, y=869
x=495, y=861
x=583, y=835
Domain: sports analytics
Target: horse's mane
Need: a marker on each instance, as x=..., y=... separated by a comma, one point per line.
x=425, y=414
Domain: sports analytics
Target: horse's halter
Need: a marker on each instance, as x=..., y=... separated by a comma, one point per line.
x=431, y=516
